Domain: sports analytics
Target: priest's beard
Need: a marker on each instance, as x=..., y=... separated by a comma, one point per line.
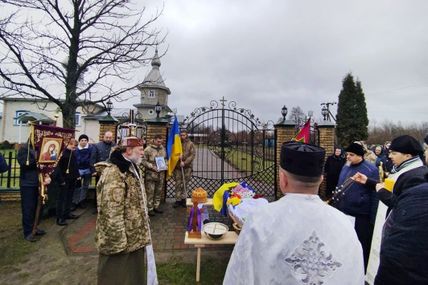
x=136, y=158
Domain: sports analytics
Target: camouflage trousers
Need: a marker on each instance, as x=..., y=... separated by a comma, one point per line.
x=154, y=190
x=180, y=192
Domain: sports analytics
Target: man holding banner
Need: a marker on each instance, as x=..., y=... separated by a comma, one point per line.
x=29, y=188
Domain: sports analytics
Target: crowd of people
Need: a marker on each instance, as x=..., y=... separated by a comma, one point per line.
x=289, y=241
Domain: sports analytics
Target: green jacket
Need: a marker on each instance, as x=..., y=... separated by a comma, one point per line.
x=122, y=222
x=189, y=153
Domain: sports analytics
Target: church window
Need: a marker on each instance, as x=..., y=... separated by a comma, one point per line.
x=152, y=94
x=18, y=113
x=151, y=112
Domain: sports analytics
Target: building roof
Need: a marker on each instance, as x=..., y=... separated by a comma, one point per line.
x=164, y=107
x=154, y=78
x=35, y=117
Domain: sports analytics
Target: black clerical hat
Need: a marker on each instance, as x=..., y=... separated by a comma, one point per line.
x=302, y=159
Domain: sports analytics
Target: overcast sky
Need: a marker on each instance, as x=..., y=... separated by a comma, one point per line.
x=265, y=54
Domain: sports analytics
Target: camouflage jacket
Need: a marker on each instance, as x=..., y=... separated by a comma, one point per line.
x=189, y=153
x=122, y=222
x=149, y=162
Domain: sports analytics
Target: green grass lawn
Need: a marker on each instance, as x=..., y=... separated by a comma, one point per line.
x=242, y=160
x=14, y=249
x=175, y=272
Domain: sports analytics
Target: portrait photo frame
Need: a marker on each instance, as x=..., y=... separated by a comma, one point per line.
x=50, y=149
x=160, y=163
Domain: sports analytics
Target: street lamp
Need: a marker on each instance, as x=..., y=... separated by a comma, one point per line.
x=109, y=107
x=158, y=109
x=284, y=111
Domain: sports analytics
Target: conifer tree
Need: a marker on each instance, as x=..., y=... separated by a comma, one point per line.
x=352, y=120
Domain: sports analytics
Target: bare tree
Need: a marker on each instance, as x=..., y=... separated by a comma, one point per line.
x=73, y=52
x=297, y=115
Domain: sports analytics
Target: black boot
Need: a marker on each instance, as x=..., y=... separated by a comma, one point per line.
x=61, y=222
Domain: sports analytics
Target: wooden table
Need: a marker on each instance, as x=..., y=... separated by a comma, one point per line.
x=189, y=202
x=229, y=238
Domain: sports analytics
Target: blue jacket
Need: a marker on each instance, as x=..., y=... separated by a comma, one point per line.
x=359, y=199
x=28, y=176
x=86, y=158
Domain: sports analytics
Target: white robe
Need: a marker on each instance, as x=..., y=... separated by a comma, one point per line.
x=296, y=240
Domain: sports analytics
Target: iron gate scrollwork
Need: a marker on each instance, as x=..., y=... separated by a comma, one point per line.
x=232, y=144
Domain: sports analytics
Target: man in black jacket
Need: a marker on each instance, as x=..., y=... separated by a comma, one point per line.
x=65, y=175
x=404, y=248
x=29, y=188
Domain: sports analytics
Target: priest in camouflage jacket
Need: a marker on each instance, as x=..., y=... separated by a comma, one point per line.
x=122, y=230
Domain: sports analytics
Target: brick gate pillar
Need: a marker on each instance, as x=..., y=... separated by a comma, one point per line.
x=158, y=126
x=108, y=123
x=285, y=131
x=327, y=135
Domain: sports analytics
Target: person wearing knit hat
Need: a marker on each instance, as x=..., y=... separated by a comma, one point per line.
x=83, y=136
x=283, y=241
x=85, y=154
x=407, y=145
x=359, y=200
x=408, y=172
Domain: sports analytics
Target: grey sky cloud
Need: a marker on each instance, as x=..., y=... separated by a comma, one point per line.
x=265, y=54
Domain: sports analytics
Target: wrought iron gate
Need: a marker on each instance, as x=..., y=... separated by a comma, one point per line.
x=231, y=145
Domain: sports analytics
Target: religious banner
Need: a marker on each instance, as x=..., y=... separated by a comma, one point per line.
x=49, y=142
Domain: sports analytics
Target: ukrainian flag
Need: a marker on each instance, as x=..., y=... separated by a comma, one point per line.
x=173, y=147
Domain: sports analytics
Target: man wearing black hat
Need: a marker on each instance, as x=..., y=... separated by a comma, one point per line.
x=408, y=169
x=358, y=200
x=290, y=241
x=402, y=252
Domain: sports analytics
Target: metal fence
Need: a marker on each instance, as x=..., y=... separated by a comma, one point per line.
x=10, y=180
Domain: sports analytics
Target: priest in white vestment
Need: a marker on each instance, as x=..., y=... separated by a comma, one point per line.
x=298, y=239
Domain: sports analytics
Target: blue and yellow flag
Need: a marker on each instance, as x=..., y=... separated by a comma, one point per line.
x=173, y=147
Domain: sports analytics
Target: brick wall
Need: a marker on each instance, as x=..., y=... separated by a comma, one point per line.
x=327, y=134
x=105, y=127
x=284, y=132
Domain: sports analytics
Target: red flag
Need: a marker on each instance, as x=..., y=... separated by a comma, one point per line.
x=304, y=134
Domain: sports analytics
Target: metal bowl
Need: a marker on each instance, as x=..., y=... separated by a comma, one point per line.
x=215, y=230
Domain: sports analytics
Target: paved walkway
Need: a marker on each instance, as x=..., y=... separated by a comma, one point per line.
x=167, y=233
x=208, y=165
